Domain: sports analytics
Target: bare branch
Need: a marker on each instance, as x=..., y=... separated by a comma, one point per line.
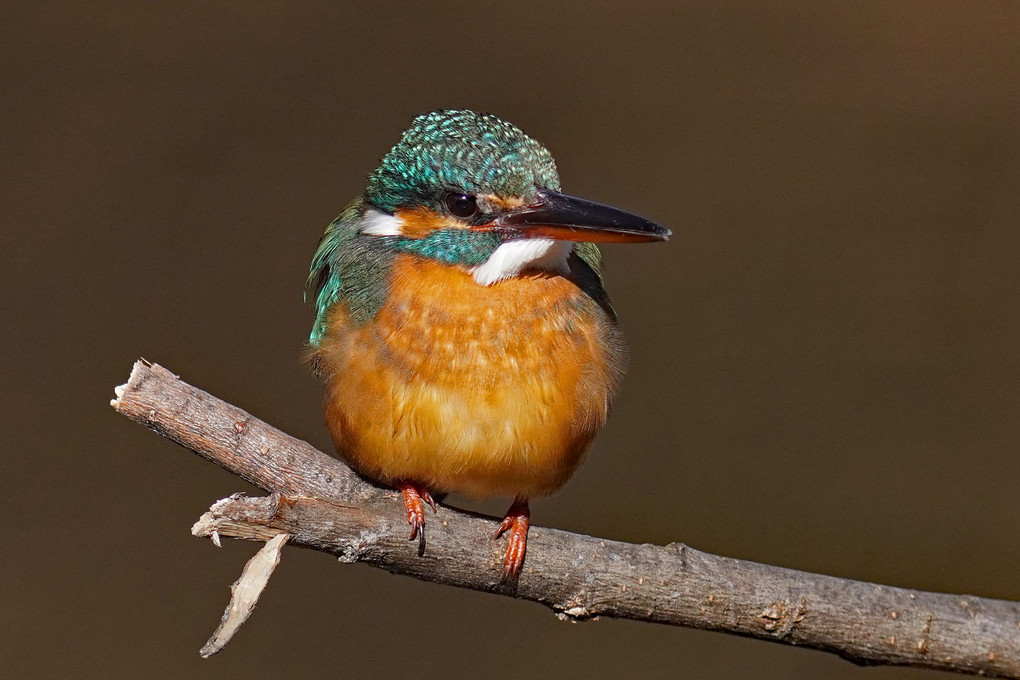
x=322, y=504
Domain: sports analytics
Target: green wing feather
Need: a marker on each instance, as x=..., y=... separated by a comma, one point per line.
x=349, y=269
x=590, y=275
x=592, y=256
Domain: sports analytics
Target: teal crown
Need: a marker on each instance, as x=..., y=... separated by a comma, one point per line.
x=462, y=151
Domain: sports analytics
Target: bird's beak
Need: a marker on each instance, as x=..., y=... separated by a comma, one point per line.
x=558, y=216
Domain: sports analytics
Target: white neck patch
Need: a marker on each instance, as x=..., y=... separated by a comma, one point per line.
x=513, y=257
x=378, y=223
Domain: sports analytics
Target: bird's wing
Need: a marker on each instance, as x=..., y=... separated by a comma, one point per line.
x=592, y=256
x=589, y=275
x=348, y=268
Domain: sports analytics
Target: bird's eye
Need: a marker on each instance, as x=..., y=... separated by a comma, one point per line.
x=461, y=205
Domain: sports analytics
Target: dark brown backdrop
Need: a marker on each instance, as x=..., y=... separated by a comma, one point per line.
x=825, y=371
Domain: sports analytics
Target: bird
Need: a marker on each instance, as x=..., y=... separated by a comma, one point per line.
x=462, y=329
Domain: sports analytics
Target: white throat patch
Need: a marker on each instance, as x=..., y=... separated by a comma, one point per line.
x=377, y=223
x=513, y=257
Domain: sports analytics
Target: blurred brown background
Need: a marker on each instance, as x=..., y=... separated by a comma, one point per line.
x=825, y=371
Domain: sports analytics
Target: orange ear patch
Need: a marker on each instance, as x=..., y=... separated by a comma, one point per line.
x=420, y=222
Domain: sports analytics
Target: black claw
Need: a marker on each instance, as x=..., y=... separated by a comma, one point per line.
x=429, y=501
x=418, y=531
x=509, y=578
x=421, y=541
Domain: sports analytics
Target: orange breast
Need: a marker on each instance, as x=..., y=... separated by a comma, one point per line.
x=488, y=391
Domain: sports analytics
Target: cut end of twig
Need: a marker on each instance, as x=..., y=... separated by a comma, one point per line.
x=137, y=370
x=244, y=594
x=121, y=390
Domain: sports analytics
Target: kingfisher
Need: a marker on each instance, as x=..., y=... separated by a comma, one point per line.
x=462, y=330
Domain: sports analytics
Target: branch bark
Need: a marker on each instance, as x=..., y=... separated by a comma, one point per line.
x=321, y=504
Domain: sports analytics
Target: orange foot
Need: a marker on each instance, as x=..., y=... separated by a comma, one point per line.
x=517, y=519
x=413, y=496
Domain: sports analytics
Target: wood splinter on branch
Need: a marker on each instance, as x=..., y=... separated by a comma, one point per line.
x=245, y=592
x=317, y=502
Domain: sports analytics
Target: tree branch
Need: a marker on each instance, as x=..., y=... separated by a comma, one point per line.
x=321, y=504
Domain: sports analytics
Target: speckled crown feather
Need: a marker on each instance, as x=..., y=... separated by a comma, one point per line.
x=463, y=151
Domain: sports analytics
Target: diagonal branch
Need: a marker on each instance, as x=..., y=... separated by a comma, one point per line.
x=323, y=505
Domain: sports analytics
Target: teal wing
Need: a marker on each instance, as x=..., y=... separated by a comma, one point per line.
x=588, y=269
x=349, y=269
x=591, y=255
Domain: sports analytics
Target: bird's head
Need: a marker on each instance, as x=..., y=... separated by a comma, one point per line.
x=470, y=189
